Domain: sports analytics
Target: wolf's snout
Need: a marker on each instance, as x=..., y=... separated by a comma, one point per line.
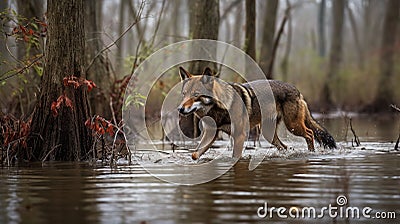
x=181, y=110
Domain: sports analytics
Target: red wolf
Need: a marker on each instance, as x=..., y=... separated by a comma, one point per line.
x=232, y=106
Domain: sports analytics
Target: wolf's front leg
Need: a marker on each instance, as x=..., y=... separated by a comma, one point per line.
x=209, y=136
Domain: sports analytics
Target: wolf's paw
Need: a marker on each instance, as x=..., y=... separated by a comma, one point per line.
x=195, y=156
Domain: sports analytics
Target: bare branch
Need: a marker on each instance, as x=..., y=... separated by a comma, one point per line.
x=137, y=19
x=395, y=107
x=19, y=71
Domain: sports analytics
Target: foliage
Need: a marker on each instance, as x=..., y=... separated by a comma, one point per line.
x=100, y=125
x=13, y=136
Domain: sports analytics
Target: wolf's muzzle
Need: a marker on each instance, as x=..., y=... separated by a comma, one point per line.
x=186, y=111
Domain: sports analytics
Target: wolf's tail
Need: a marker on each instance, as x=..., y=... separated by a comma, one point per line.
x=321, y=135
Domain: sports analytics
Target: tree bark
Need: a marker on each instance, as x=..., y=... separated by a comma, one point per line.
x=204, y=24
x=250, y=38
x=321, y=29
x=384, y=96
x=62, y=137
x=285, y=59
x=99, y=71
x=338, y=7
x=268, y=37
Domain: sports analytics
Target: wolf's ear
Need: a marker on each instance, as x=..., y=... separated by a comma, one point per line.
x=207, y=76
x=207, y=71
x=184, y=74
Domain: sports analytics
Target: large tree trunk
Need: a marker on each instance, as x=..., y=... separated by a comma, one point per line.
x=384, y=96
x=62, y=137
x=98, y=72
x=335, y=56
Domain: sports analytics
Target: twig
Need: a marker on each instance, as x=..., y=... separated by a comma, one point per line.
x=395, y=107
x=137, y=19
x=19, y=71
x=276, y=42
x=356, y=140
x=158, y=24
x=52, y=149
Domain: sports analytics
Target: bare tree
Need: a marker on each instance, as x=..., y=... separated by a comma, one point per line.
x=384, y=96
x=335, y=56
x=99, y=72
x=268, y=36
x=204, y=24
x=321, y=28
x=62, y=135
x=354, y=28
x=250, y=38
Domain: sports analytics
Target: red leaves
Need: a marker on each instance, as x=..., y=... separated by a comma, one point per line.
x=100, y=125
x=33, y=29
x=76, y=82
x=14, y=131
x=55, y=106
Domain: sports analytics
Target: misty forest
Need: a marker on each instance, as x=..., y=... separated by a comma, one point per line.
x=72, y=72
x=65, y=66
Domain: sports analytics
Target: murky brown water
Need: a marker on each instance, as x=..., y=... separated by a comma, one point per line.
x=368, y=176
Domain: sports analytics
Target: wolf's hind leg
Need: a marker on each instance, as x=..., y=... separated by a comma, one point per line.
x=295, y=123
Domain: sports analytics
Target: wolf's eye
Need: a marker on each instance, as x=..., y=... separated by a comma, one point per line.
x=183, y=93
x=196, y=94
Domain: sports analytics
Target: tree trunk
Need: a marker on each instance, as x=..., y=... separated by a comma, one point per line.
x=250, y=39
x=354, y=28
x=99, y=71
x=335, y=55
x=321, y=28
x=268, y=37
x=204, y=24
x=285, y=59
x=119, y=60
x=64, y=136
x=385, y=96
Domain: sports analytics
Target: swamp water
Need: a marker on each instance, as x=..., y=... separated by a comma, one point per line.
x=359, y=178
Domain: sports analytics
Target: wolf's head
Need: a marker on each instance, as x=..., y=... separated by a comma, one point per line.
x=197, y=92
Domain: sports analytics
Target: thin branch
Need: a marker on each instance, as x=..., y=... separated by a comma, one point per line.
x=356, y=140
x=137, y=19
x=395, y=107
x=52, y=149
x=158, y=24
x=19, y=71
x=276, y=42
